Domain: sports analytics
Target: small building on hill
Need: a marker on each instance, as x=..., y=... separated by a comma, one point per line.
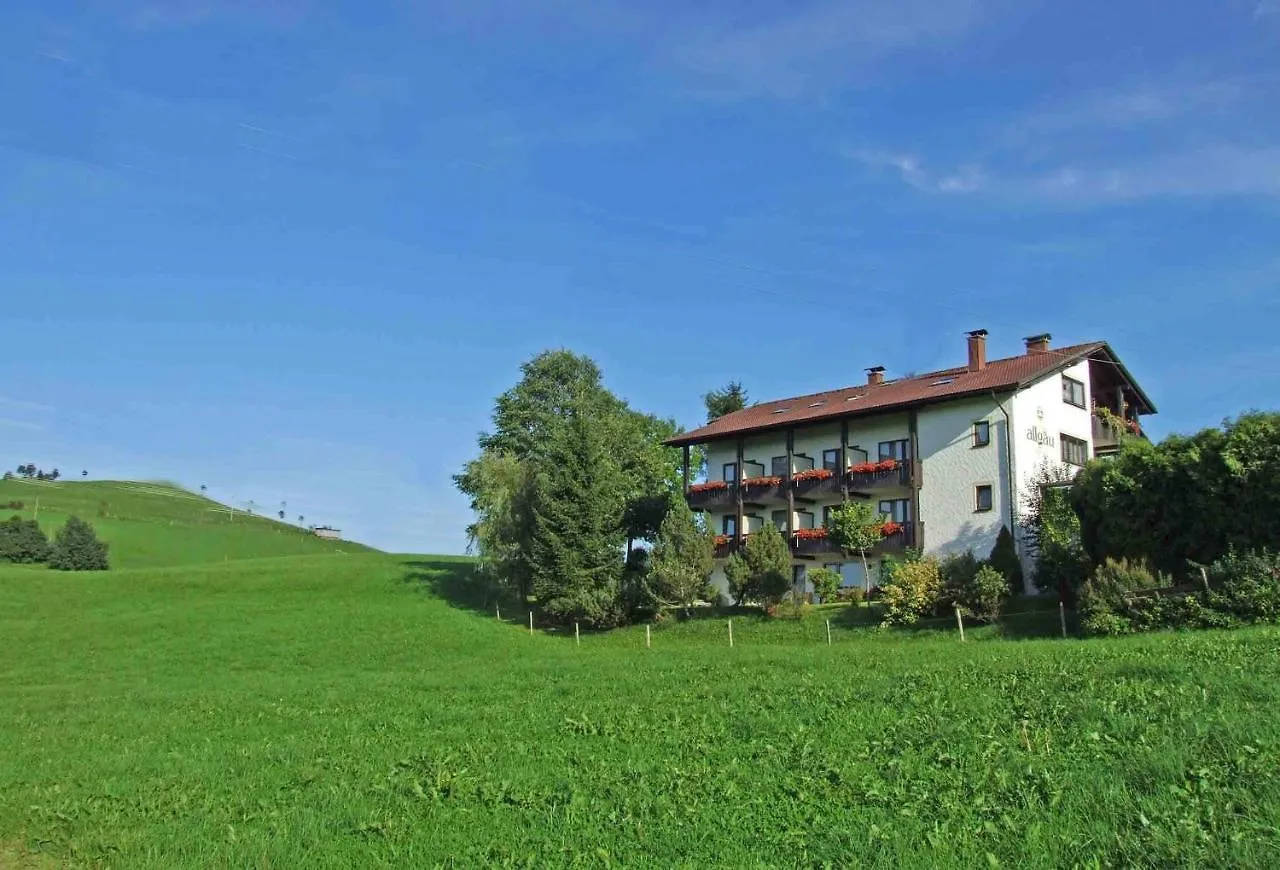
x=328, y=533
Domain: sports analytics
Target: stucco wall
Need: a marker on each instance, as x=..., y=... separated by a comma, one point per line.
x=953, y=469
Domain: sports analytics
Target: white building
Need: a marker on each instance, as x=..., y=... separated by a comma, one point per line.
x=947, y=456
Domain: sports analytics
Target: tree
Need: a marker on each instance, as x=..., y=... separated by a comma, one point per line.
x=738, y=576
x=281, y=515
x=682, y=560
x=501, y=532
x=1004, y=559
x=76, y=548
x=767, y=561
x=84, y=473
x=826, y=583
x=202, y=486
x=732, y=397
x=1051, y=531
x=22, y=541
x=301, y=519
x=855, y=528
x=576, y=554
x=55, y=474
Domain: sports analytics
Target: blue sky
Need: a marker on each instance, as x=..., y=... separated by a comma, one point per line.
x=292, y=249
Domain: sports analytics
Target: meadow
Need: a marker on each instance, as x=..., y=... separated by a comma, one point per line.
x=358, y=709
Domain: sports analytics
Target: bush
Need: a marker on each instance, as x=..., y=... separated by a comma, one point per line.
x=791, y=609
x=913, y=591
x=1110, y=602
x=1248, y=584
x=1004, y=559
x=985, y=594
x=77, y=548
x=22, y=541
x=826, y=583
x=855, y=595
x=958, y=571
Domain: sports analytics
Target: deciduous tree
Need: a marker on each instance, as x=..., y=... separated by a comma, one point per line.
x=855, y=528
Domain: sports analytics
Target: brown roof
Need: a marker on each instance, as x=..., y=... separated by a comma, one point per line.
x=1000, y=374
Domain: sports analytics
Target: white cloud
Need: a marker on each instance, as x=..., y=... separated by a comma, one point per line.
x=910, y=168
x=816, y=47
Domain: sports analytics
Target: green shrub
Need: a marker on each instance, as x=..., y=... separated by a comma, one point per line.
x=855, y=595
x=985, y=594
x=913, y=591
x=77, y=548
x=958, y=571
x=1109, y=603
x=22, y=541
x=792, y=608
x=1004, y=559
x=1247, y=584
x=826, y=583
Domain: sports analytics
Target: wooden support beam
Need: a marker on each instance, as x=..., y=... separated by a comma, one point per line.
x=737, y=488
x=791, y=494
x=843, y=471
x=917, y=478
x=686, y=467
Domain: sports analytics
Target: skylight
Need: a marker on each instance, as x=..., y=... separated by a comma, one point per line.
x=781, y=410
x=852, y=398
x=942, y=382
x=817, y=404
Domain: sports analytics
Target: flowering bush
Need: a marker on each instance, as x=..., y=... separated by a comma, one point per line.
x=709, y=486
x=722, y=540
x=771, y=480
x=890, y=528
x=811, y=534
x=813, y=474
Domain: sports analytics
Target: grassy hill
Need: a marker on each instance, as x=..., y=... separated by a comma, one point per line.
x=362, y=711
x=159, y=525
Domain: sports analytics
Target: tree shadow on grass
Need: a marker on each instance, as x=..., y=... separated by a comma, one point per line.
x=454, y=581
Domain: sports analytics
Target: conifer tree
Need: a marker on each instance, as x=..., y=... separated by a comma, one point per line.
x=77, y=548
x=576, y=557
x=682, y=560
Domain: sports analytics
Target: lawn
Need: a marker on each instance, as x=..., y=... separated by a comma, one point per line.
x=159, y=524
x=317, y=711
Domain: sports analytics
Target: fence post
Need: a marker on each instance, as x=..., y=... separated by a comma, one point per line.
x=648, y=640
x=960, y=622
x=731, y=633
x=497, y=610
x=530, y=623
x=577, y=639
x=1062, y=617
x=828, y=632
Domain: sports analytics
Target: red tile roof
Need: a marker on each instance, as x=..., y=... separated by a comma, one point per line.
x=1000, y=374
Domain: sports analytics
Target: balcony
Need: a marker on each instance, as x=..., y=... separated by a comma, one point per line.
x=711, y=495
x=814, y=542
x=882, y=474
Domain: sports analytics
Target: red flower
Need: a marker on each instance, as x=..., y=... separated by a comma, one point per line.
x=709, y=486
x=722, y=540
x=762, y=481
x=886, y=465
x=813, y=474
x=862, y=468
x=811, y=534
x=890, y=528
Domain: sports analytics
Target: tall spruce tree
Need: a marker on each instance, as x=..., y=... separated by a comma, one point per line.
x=732, y=397
x=682, y=560
x=768, y=565
x=576, y=553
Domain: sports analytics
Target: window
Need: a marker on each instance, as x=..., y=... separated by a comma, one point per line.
x=895, y=449
x=826, y=515
x=896, y=509
x=730, y=472
x=729, y=525
x=1075, y=451
x=779, y=464
x=982, y=498
x=831, y=460
x=1072, y=392
x=797, y=576
x=981, y=433
x=804, y=519
x=779, y=519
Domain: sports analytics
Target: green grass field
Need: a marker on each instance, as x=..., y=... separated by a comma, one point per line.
x=359, y=710
x=160, y=525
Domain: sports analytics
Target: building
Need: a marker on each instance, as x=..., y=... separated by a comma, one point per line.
x=328, y=533
x=947, y=456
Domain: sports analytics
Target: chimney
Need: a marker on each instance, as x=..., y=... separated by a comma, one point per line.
x=1038, y=343
x=977, y=350
x=875, y=376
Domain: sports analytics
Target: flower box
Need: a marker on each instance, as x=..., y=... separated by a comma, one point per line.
x=890, y=528
x=722, y=540
x=810, y=534
x=770, y=480
x=709, y=486
x=813, y=474
x=873, y=467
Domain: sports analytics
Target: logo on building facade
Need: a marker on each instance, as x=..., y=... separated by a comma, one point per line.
x=1040, y=436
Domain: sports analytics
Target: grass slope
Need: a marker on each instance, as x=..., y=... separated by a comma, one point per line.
x=321, y=712
x=160, y=525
